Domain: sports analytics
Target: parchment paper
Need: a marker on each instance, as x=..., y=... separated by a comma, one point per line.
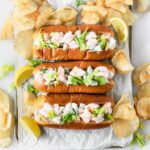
x=71, y=139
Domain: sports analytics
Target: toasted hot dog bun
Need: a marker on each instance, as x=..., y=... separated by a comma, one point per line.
x=63, y=88
x=73, y=54
x=63, y=99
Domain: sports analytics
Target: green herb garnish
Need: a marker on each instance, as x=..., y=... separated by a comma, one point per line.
x=98, y=111
x=102, y=41
x=68, y=118
x=32, y=89
x=75, y=80
x=43, y=70
x=108, y=116
x=79, y=2
x=101, y=80
x=51, y=115
x=138, y=138
x=35, y=63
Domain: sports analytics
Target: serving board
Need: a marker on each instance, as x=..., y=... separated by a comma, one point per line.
x=70, y=139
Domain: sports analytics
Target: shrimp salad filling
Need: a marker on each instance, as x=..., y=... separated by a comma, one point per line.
x=76, y=76
x=73, y=112
x=86, y=41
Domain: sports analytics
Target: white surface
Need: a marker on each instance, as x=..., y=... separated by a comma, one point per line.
x=141, y=53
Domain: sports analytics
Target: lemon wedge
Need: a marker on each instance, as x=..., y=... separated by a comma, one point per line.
x=30, y=126
x=23, y=74
x=121, y=28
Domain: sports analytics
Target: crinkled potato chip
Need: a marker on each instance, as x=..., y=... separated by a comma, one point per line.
x=129, y=17
x=143, y=108
x=26, y=8
x=23, y=43
x=22, y=22
x=124, y=128
x=45, y=5
x=65, y=14
x=7, y=29
x=142, y=74
x=143, y=90
x=121, y=62
x=44, y=17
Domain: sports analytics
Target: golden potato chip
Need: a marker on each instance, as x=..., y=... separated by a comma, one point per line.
x=129, y=17
x=32, y=102
x=144, y=74
x=143, y=90
x=127, y=2
x=90, y=3
x=124, y=111
x=143, y=107
x=53, y=22
x=26, y=8
x=117, y=6
x=65, y=14
x=90, y=17
x=121, y=62
x=5, y=142
x=21, y=23
x=70, y=23
x=142, y=5
x=34, y=15
x=7, y=30
x=44, y=17
x=45, y=5
x=111, y=13
x=100, y=2
x=141, y=74
x=124, y=128
x=38, y=2
x=23, y=43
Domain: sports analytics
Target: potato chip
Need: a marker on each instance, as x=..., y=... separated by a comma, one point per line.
x=44, y=17
x=143, y=90
x=5, y=142
x=122, y=62
x=26, y=8
x=34, y=15
x=23, y=43
x=129, y=17
x=90, y=3
x=7, y=29
x=65, y=14
x=117, y=6
x=143, y=107
x=32, y=102
x=142, y=5
x=53, y=22
x=127, y=2
x=124, y=111
x=111, y=13
x=22, y=22
x=124, y=128
x=44, y=6
x=90, y=17
x=70, y=23
x=142, y=74
x=38, y=2
x=100, y=2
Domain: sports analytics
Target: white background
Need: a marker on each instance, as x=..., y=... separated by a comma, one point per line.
x=140, y=54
